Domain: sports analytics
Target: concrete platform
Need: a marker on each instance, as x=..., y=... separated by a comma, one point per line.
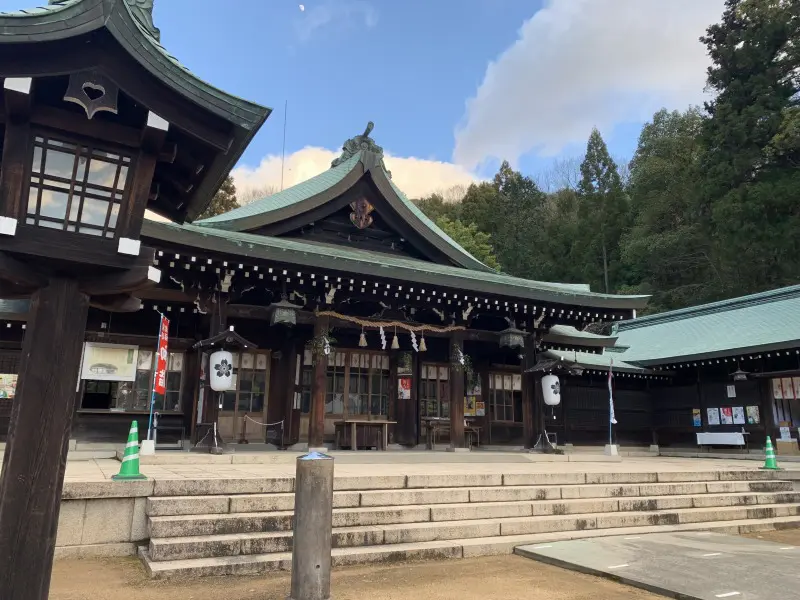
x=686, y=565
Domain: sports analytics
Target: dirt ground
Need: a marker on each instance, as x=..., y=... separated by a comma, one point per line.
x=493, y=578
x=790, y=537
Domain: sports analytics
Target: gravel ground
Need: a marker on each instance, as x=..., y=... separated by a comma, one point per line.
x=493, y=578
x=787, y=536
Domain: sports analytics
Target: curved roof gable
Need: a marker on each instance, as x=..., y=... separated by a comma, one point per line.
x=360, y=156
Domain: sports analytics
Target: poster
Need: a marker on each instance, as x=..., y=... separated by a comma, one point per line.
x=161, y=358
x=475, y=389
x=713, y=416
x=8, y=385
x=109, y=362
x=786, y=433
x=796, y=385
x=788, y=388
x=727, y=415
x=738, y=415
x=777, y=391
x=697, y=417
x=469, y=406
x=480, y=409
x=731, y=391
x=404, y=388
x=753, y=416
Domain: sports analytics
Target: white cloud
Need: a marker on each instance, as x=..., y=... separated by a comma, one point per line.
x=417, y=177
x=334, y=12
x=579, y=64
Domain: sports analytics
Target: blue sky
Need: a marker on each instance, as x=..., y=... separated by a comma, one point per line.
x=451, y=81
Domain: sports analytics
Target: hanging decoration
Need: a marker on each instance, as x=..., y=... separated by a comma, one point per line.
x=422, y=346
x=383, y=339
x=395, y=341
x=414, y=342
x=320, y=346
x=512, y=338
x=385, y=324
x=460, y=362
x=362, y=340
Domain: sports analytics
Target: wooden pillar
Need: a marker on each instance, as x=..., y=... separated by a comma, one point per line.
x=529, y=383
x=457, y=439
x=316, y=423
x=218, y=323
x=36, y=452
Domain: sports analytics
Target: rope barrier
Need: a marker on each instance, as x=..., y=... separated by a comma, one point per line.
x=249, y=418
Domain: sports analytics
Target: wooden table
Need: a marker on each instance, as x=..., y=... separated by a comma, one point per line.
x=354, y=423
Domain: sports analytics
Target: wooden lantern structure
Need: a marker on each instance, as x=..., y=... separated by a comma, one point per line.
x=98, y=123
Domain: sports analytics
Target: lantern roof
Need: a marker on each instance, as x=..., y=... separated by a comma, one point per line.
x=69, y=36
x=226, y=339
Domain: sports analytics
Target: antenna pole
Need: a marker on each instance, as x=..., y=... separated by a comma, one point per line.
x=283, y=151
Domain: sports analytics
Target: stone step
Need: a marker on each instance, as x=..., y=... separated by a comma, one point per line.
x=253, y=564
x=259, y=542
x=247, y=503
x=261, y=485
x=232, y=523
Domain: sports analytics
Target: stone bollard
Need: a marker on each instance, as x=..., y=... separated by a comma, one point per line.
x=313, y=521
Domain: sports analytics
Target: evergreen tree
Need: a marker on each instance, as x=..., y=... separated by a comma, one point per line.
x=751, y=135
x=603, y=213
x=224, y=200
x=469, y=237
x=436, y=207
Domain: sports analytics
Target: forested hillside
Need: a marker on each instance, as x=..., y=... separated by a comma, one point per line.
x=707, y=208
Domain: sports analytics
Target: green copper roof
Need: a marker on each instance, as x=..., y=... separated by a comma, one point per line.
x=289, y=196
x=755, y=323
x=348, y=260
x=130, y=22
x=569, y=335
x=588, y=360
x=360, y=156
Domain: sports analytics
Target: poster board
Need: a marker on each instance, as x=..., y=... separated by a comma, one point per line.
x=753, y=415
x=8, y=385
x=713, y=416
x=697, y=417
x=404, y=388
x=109, y=362
x=470, y=407
x=727, y=415
x=738, y=415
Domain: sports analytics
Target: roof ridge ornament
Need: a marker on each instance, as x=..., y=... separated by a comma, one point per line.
x=362, y=143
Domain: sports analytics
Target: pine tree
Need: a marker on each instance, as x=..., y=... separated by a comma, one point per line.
x=224, y=200
x=603, y=215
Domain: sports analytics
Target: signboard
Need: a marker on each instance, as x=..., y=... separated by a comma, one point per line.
x=713, y=416
x=8, y=385
x=731, y=391
x=160, y=385
x=109, y=362
x=786, y=433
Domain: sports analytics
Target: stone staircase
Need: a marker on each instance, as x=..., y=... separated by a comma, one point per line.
x=244, y=526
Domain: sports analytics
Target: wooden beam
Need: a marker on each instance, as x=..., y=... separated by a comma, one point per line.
x=122, y=303
x=107, y=131
x=32, y=477
x=18, y=98
x=85, y=250
x=18, y=273
x=136, y=278
x=457, y=438
x=14, y=167
x=316, y=422
x=154, y=133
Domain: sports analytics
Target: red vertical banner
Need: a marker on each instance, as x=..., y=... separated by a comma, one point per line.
x=160, y=386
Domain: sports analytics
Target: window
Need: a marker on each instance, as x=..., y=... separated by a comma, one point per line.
x=75, y=187
x=362, y=378
x=505, y=396
x=435, y=401
x=249, y=390
x=135, y=396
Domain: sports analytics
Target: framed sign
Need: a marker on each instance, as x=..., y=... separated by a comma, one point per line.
x=8, y=385
x=713, y=416
x=109, y=362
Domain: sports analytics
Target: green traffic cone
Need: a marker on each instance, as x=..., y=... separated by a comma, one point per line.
x=771, y=462
x=130, y=460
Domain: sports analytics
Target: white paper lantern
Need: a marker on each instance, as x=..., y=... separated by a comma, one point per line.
x=551, y=388
x=221, y=371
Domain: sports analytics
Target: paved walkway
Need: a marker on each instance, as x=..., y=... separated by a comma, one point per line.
x=691, y=565
x=388, y=463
